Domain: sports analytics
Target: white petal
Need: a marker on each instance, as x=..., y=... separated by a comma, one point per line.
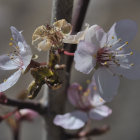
x=72, y=121
x=130, y=72
x=6, y=63
x=123, y=29
x=83, y=57
x=10, y=81
x=95, y=35
x=94, y=97
x=97, y=100
x=100, y=112
x=25, y=53
x=107, y=83
x=83, y=62
x=17, y=36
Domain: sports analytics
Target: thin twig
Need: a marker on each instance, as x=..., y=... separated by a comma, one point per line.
x=38, y=107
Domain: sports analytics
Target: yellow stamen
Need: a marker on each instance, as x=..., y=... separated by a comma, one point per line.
x=112, y=37
x=94, y=56
x=126, y=42
x=101, y=99
x=87, y=81
x=131, y=53
x=11, y=38
x=87, y=92
x=10, y=44
x=132, y=64
x=4, y=80
x=94, y=88
x=80, y=88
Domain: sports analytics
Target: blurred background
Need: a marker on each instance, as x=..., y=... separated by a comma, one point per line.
x=26, y=15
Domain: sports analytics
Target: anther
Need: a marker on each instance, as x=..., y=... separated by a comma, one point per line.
x=132, y=64
x=101, y=99
x=87, y=81
x=94, y=88
x=126, y=42
x=80, y=88
x=10, y=44
x=105, y=63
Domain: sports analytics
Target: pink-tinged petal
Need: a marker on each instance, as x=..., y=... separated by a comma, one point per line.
x=100, y=112
x=94, y=97
x=126, y=70
x=6, y=63
x=124, y=30
x=83, y=57
x=73, y=94
x=72, y=121
x=10, y=81
x=107, y=83
x=76, y=97
x=90, y=35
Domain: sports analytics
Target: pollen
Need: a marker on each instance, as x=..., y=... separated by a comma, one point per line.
x=10, y=44
x=80, y=88
x=94, y=56
x=105, y=63
x=131, y=53
x=94, y=88
x=126, y=42
x=87, y=92
x=132, y=64
x=11, y=38
x=119, y=39
x=101, y=99
x=112, y=37
x=87, y=81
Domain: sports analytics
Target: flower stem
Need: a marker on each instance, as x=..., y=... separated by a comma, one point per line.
x=68, y=53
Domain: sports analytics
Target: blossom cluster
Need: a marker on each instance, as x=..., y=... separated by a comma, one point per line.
x=107, y=54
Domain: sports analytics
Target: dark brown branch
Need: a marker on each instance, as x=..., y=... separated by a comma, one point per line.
x=38, y=107
x=77, y=22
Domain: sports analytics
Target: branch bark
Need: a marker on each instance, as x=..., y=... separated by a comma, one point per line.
x=63, y=9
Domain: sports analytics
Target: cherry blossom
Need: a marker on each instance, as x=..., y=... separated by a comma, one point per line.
x=18, y=60
x=108, y=54
x=89, y=106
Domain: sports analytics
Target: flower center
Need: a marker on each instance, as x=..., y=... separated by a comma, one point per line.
x=111, y=55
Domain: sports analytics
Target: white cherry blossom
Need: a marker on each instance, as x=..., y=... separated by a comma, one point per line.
x=18, y=60
x=108, y=54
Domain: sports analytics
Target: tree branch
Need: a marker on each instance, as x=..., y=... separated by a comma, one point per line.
x=38, y=107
